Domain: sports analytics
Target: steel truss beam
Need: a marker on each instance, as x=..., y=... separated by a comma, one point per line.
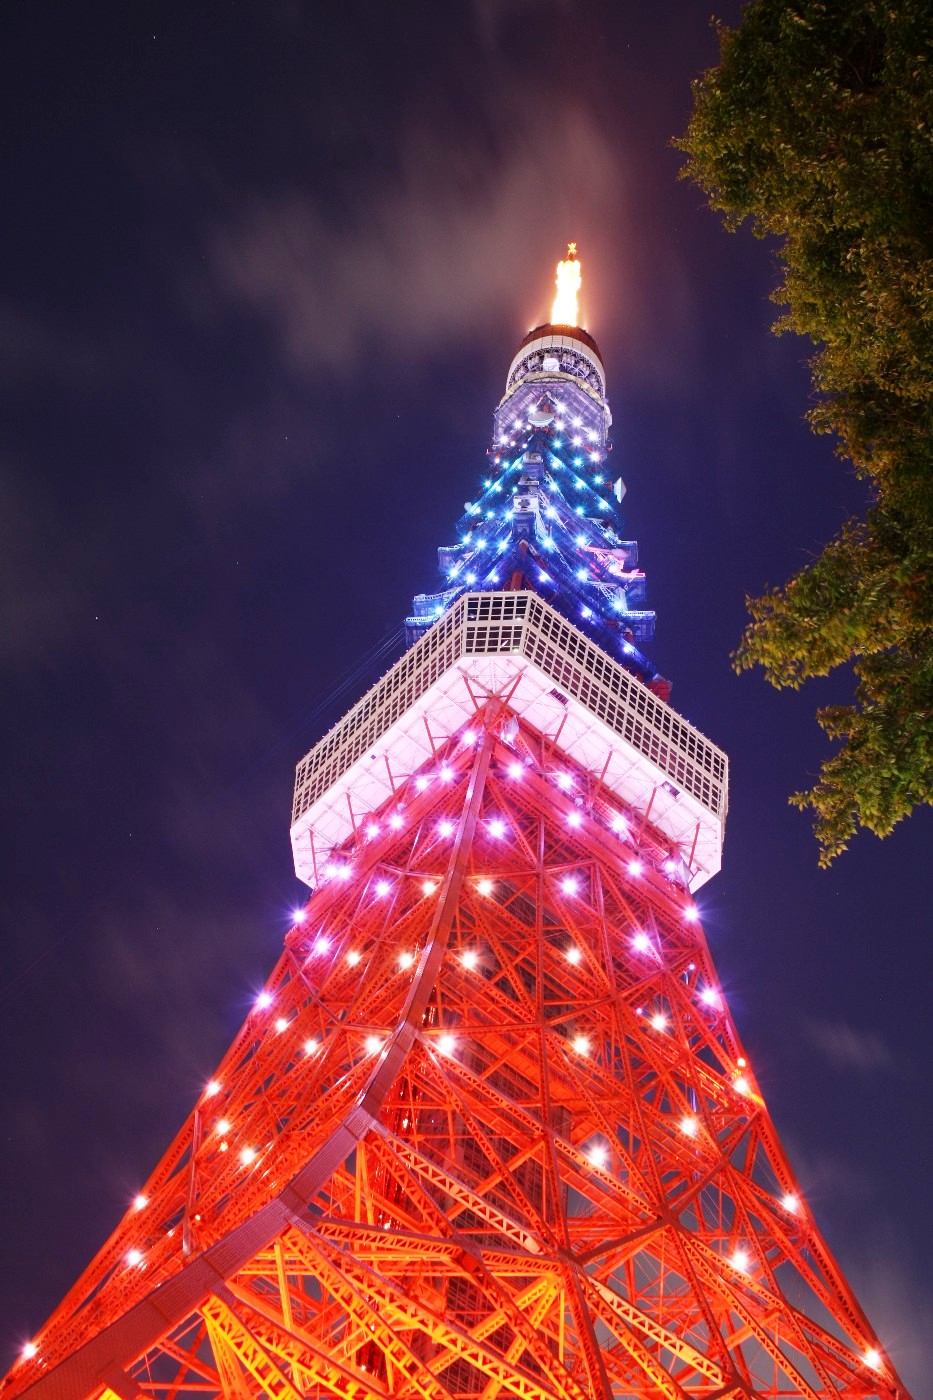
x=494, y=1134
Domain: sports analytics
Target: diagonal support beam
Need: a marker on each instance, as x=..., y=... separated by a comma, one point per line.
x=140, y=1327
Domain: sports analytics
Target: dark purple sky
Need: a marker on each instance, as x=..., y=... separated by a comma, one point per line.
x=264, y=269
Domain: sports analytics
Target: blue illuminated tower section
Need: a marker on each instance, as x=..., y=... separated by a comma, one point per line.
x=546, y=517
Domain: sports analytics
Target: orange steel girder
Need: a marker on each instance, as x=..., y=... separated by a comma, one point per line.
x=491, y=1132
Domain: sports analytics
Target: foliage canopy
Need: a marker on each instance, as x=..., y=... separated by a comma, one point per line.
x=817, y=126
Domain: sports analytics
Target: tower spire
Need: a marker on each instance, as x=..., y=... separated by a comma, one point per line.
x=545, y=516
x=569, y=278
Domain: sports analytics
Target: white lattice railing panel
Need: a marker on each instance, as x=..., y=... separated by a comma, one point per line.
x=491, y=639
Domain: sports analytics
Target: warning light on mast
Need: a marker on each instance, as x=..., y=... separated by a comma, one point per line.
x=564, y=311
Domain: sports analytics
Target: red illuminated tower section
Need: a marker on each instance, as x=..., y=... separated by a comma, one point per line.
x=489, y=1130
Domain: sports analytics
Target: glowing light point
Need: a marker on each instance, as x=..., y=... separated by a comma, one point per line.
x=581, y=1044
x=29, y=1351
x=247, y=1155
x=263, y=1000
x=373, y=1044
x=446, y=828
x=446, y=1044
x=741, y=1260
x=641, y=943
x=564, y=781
x=497, y=827
x=659, y=1021
x=469, y=957
x=569, y=276
x=689, y=1126
x=321, y=944
x=405, y=959
x=485, y=887
x=873, y=1358
x=421, y=783
x=691, y=913
x=353, y=957
x=574, y=819
x=742, y=1085
x=281, y=1024
x=299, y=915
x=791, y=1203
x=428, y=887
x=570, y=885
x=573, y=954
x=382, y=888
x=709, y=996
x=635, y=867
x=223, y=1127
x=396, y=822
x=140, y=1202
x=134, y=1257
x=372, y=830
x=311, y=1046
x=515, y=770
x=211, y=1088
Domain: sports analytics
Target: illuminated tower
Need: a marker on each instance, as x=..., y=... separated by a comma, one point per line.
x=489, y=1129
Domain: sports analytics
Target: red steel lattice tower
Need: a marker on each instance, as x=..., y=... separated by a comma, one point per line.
x=489, y=1130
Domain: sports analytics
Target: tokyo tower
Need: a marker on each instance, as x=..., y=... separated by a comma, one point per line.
x=489, y=1130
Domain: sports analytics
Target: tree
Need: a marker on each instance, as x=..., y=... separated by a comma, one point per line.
x=817, y=127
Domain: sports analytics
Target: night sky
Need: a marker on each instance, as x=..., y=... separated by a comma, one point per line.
x=264, y=269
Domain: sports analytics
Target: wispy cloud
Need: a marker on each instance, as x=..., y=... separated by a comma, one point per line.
x=875, y=1257
x=829, y=1176
x=847, y=1048
x=32, y=347
x=39, y=561
x=885, y=1280
x=492, y=17
x=440, y=249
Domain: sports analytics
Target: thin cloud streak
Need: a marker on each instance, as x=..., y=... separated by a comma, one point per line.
x=437, y=254
x=846, y=1048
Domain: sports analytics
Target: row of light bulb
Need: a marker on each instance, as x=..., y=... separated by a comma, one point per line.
x=498, y=829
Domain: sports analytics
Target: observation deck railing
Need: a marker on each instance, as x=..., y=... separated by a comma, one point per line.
x=521, y=625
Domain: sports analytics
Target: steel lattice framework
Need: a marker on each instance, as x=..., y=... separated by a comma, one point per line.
x=489, y=1130
x=492, y=1133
